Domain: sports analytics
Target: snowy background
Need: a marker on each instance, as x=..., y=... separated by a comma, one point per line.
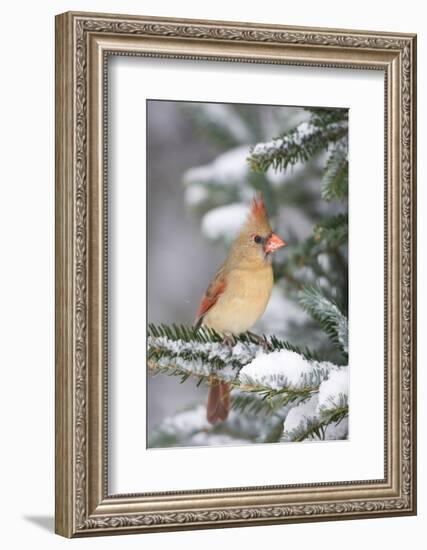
x=199, y=184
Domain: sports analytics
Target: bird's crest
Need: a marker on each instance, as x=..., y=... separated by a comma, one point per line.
x=258, y=215
x=258, y=209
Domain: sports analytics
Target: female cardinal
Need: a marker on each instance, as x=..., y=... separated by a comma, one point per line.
x=239, y=293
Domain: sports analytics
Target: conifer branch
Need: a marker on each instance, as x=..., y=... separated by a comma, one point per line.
x=255, y=399
x=291, y=375
x=321, y=117
x=332, y=232
x=316, y=427
x=335, y=178
x=296, y=145
x=326, y=313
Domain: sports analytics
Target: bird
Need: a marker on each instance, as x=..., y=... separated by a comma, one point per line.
x=239, y=293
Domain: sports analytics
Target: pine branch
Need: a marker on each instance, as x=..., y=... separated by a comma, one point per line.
x=321, y=116
x=256, y=399
x=310, y=429
x=316, y=426
x=262, y=379
x=327, y=238
x=297, y=145
x=335, y=179
x=332, y=232
x=327, y=314
x=172, y=339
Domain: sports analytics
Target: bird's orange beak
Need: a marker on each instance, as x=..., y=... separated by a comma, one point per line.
x=273, y=243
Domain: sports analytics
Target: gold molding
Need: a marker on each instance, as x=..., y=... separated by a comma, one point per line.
x=83, y=41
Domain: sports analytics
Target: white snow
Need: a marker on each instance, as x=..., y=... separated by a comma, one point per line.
x=186, y=421
x=304, y=129
x=333, y=392
x=240, y=354
x=229, y=168
x=337, y=431
x=307, y=410
x=195, y=195
x=224, y=222
x=269, y=148
x=284, y=369
x=245, y=352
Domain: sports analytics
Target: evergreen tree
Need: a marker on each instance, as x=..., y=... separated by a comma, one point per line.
x=296, y=386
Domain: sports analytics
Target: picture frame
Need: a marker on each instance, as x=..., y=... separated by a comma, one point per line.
x=84, y=42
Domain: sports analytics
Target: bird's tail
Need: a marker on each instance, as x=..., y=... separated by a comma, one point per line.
x=218, y=400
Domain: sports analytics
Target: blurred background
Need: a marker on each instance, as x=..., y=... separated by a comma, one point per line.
x=199, y=185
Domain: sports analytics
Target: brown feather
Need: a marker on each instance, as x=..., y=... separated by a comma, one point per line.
x=213, y=292
x=258, y=209
x=218, y=400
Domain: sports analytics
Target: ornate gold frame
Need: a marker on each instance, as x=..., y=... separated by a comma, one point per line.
x=83, y=42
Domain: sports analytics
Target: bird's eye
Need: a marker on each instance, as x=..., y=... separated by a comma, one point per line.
x=257, y=239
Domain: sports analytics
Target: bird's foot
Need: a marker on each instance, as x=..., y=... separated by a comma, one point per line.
x=262, y=340
x=229, y=340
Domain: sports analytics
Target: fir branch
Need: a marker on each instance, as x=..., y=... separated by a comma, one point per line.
x=291, y=375
x=296, y=145
x=335, y=178
x=321, y=116
x=333, y=416
x=328, y=236
x=310, y=429
x=326, y=313
x=256, y=399
x=182, y=334
x=184, y=351
x=332, y=232
x=316, y=426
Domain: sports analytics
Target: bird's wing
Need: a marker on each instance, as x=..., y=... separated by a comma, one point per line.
x=214, y=291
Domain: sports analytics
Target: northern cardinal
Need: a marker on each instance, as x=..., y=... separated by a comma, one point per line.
x=239, y=293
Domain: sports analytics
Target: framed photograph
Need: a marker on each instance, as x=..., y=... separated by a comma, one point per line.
x=235, y=274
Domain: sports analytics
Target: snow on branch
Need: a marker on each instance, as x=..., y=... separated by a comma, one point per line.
x=285, y=369
x=296, y=145
x=263, y=379
x=324, y=415
x=200, y=359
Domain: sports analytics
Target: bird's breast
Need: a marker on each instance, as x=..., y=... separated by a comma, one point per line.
x=243, y=301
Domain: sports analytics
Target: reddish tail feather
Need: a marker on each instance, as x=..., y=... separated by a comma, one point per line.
x=218, y=400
